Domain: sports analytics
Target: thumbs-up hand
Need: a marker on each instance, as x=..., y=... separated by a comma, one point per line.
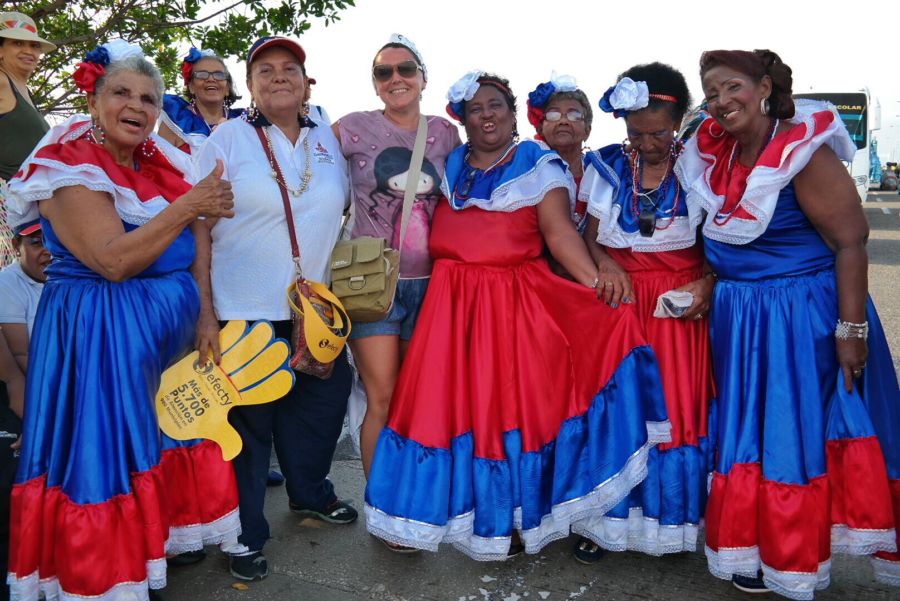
x=211, y=196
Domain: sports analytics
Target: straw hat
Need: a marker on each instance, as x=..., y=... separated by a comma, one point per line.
x=18, y=26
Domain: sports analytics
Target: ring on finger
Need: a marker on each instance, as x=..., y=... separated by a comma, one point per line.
x=607, y=283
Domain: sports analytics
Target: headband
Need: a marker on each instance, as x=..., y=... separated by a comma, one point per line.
x=92, y=68
x=187, y=64
x=628, y=96
x=540, y=96
x=465, y=88
x=404, y=41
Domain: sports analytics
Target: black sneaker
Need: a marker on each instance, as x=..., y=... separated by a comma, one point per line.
x=249, y=567
x=338, y=512
x=749, y=584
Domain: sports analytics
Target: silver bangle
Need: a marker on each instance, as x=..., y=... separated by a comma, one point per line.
x=846, y=330
x=595, y=283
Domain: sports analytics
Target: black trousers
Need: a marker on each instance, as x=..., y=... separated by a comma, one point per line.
x=305, y=425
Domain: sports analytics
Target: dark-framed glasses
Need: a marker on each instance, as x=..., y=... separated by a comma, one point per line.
x=204, y=75
x=554, y=115
x=405, y=69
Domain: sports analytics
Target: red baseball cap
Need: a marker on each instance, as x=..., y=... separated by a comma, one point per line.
x=272, y=41
x=27, y=228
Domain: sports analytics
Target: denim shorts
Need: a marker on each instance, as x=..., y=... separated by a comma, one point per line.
x=403, y=315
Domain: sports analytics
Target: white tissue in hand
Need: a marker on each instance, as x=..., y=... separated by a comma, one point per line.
x=678, y=299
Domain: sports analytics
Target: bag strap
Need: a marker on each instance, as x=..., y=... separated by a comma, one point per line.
x=295, y=248
x=415, y=168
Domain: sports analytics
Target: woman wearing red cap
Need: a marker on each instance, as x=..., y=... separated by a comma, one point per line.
x=283, y=145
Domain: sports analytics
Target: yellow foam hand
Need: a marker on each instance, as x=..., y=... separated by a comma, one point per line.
x=193, y=399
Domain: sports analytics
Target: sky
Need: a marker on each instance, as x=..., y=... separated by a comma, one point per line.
x=524, y=40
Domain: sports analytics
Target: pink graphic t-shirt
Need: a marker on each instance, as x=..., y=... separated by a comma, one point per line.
x=379, y=153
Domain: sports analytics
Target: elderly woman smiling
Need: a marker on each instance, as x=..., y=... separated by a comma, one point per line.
x=251, y=268
x=119, y=305
x=209, y=93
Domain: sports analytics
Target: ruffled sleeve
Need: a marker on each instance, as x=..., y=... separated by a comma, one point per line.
x=607, y=189
x=65, y=157
x=533, y=171
x=703, y=169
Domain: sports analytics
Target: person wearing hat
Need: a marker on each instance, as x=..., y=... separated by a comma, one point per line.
x=21, y=125
x=283, y=145
x=21, y=284
x=379, y=145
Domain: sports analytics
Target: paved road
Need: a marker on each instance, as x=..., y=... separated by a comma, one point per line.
x=313, y=561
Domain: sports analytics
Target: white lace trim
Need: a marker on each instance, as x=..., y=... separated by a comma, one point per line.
x=639, y=533
x=24, y=195
x=555, y=525
x=525, y=190
x=887, y=572
x=854, y=541
x=224, y=531
x=729, y=561
x=601, y=195
x=30, y=588
x=194, y=141
x=694, y=170
x=797, y=585
x=659, y=432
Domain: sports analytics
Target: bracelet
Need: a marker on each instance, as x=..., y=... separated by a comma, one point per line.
x=846, y=330
x=595, y=283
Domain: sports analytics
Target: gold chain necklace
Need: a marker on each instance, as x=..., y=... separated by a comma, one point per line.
x=307, y=173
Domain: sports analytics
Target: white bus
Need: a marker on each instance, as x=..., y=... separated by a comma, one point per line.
x=861, y=115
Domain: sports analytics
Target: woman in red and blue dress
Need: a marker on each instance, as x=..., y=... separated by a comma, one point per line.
x=97, y=502
x=525, y=406
x=808, y=459
x=187, y=121
x=643, y=236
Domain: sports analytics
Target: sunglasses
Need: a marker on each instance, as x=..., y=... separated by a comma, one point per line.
x=405, y=69
x=204, y=75
x=573, y=115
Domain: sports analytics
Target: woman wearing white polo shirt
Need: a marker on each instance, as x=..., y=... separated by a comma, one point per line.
x=252, y=266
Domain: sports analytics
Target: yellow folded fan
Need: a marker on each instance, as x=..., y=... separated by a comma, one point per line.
x=193, y=399
x=325, y=341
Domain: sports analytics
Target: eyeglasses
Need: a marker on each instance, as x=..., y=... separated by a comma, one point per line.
x=573, y=115
x=405, y=69
x=204, y=75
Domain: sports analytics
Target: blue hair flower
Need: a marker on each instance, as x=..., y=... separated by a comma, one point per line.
x=541, y=94
x=98, y=56
x=193, y=56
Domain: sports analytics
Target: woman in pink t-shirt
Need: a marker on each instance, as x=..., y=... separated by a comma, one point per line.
x=378, y=145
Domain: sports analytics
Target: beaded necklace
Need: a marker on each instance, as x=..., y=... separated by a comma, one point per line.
x=276, y=171
x=721, y=218
x=463, y=186
x=648, y=212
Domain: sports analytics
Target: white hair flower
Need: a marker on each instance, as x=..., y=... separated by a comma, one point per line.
x=465, y=87
x=119, y=49
x=563, y=83
x=629, y=95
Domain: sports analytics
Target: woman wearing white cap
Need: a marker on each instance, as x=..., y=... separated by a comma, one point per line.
x=21, y=125
x=378, y=145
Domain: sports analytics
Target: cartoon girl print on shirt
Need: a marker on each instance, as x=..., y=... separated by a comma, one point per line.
x=385, y=202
